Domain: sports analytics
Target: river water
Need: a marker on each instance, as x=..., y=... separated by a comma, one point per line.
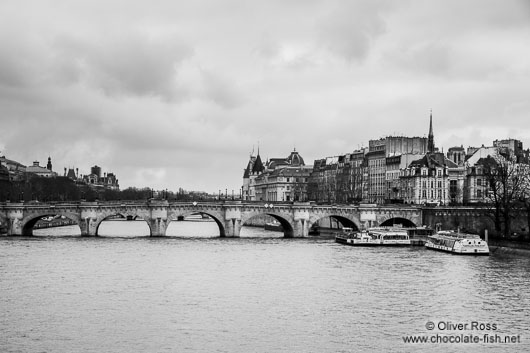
x=191, y=292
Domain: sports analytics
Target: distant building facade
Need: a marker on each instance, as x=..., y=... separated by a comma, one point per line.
x=16, y=170
x=339, y=179
x=476, y=188
x=37, y=170
x=384, y=150
x=94, y=179
x=428, y=181
x=279, y=179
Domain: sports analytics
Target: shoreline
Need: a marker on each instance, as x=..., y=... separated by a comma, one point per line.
x=505, y=250
x=508, y=247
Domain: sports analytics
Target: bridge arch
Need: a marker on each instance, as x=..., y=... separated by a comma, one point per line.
x=285, y=220
x=123, y=216
x=397, y=221
x=28, y=223
x=176, y=215
x=345, y=220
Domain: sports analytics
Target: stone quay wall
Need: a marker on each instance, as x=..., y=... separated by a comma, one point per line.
x=473, y=219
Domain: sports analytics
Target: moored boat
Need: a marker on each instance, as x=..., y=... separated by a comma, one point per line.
x=373, y=237
x=350, y=237
x=419, y=235
x=390, y=236
x=456, y=242
x=274, y=226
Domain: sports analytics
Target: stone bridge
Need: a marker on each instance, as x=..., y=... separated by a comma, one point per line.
x=296, y=218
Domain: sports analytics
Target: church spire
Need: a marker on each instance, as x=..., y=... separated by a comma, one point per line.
x=430, y=141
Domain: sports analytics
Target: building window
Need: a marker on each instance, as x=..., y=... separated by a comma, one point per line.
x=479, y=182
x=479, y=193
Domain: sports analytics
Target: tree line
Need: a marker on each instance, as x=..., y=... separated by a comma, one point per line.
x=63, y=189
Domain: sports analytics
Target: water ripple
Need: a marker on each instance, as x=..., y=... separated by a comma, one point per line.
x=247, y=295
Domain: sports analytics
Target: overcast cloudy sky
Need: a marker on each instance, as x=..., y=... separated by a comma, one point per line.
x=170, y=93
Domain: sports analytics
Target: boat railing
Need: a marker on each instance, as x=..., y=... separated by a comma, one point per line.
x=457, y=235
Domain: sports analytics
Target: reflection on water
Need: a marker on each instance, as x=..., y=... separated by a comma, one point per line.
x=177, y=294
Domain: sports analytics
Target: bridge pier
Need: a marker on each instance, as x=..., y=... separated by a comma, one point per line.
x=12, y=218
x=232, y=227
x=14, y=227
x=158, y=227
x=88, y=226
x=300, y=229
x=84, y=225
x=301, y=220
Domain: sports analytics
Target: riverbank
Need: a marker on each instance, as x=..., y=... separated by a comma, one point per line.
x=508, y=247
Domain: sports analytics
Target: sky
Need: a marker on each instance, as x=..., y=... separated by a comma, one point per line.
x=175, y=94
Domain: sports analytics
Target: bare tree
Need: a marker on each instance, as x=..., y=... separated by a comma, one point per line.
x=525, y=192
x=506, y=180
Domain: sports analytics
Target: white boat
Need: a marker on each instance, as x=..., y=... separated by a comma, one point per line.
x=274, y=226
x=458, y=243
x=373, y=237
x=390, y=236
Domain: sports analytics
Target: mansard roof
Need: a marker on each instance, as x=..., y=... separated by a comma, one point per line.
x=433, y=160
x=291, y=171
x=488, y=161
x=318, y=163
x=293, y=160
x=276, y=162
